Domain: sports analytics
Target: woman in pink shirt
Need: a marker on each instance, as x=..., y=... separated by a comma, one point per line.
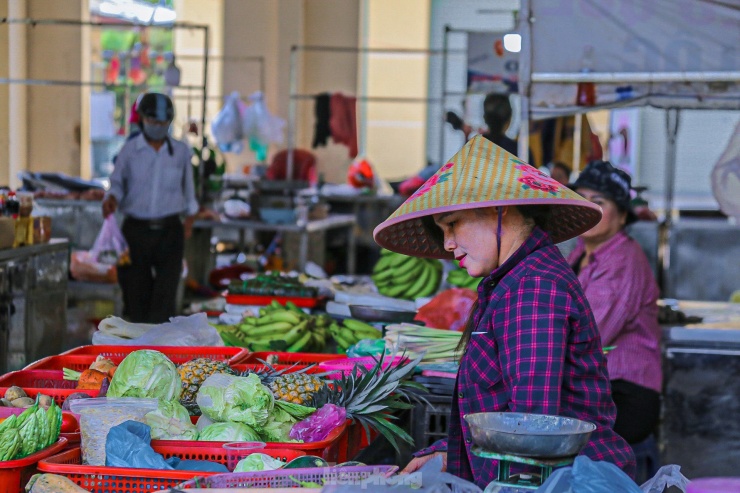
x=621, y=289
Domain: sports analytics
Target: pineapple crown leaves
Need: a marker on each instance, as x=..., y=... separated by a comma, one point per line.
x=371, y=397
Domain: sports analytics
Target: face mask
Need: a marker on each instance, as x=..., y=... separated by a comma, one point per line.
x=155, y=132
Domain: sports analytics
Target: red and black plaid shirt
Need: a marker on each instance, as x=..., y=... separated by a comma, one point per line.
x=536, y=349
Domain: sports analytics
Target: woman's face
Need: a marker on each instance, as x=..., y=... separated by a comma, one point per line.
x=471, y=236
x=612, y=219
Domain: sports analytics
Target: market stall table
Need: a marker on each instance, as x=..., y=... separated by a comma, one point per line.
x=700, y=429
x=344, y=222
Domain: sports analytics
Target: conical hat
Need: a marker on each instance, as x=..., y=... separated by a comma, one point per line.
x=481, y=175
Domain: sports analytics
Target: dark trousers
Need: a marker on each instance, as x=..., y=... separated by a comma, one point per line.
x=150, y=283
x=638, y=410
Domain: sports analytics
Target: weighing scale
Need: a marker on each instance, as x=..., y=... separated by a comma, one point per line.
x=506, y=482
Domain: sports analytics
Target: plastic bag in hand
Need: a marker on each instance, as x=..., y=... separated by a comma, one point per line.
x=110, y=246
x=226, y=126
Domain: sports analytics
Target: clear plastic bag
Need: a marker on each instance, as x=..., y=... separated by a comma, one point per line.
x=226, y=127
x=110, y=247
x=84, y=267
x=99, y=415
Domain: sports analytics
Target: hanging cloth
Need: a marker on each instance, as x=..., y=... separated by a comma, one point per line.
x=322, y=131
x=343, y=121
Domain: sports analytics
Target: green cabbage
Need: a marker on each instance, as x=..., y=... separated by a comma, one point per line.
x=228, y=432
x=278, y=426
x=171, y=421
x=146, y=373
x=245, y=400
x=258, y=462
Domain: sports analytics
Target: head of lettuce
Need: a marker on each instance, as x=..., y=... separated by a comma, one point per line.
x=146, y=373
x=245, y=400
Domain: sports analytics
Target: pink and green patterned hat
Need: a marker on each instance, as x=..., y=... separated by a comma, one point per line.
x=481, y=175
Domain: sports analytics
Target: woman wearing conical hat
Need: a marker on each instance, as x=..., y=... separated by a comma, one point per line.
x=531, y=343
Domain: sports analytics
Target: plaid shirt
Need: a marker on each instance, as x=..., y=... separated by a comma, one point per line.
x=536, y=350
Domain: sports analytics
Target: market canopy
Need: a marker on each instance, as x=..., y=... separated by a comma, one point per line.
x=663, y=53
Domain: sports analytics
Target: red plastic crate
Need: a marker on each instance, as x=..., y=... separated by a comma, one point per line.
x=264, y=300
x=48, y=382
x=292, y=358
x=258, y=366
x=14, y=474
x=81, y=358
x=333, y=449
x=101, y=479
x=357, y=439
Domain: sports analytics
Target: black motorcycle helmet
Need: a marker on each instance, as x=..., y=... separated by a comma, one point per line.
x=156, y=105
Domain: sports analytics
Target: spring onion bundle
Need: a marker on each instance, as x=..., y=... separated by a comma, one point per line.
x=437, y=345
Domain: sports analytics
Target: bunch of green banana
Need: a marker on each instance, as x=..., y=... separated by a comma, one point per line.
x=460, y=278
x=34, y=429
x=278, y=328
x=401, y=276
x=350, y=332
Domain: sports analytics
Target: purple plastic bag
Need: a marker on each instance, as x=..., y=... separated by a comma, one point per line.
x=318, y=426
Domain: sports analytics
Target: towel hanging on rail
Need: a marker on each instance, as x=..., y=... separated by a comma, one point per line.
x=343, y=121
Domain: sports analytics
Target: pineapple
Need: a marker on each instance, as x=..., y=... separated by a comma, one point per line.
x=370, y=396
x=295, y=386
x=194, y=373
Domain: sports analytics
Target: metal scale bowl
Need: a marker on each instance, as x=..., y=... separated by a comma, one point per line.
x=539, y=440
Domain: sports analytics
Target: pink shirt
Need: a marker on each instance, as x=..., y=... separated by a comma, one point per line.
x=622, y=292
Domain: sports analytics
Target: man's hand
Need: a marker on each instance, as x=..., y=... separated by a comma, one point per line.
x=418, y=462
x=110, y=205
x=187, y=226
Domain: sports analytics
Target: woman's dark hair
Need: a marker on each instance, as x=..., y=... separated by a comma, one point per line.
x=497, y=113
x=540, y=216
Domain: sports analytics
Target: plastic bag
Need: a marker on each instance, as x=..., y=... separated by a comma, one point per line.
x=666, y=476
x=726, y=177
x=84, y=267
x=368, y=347
x=110, y=246
x=193, y=330
x=320, y=424
x=226, y=126
x=99, y=415
x=129, y=445
x=587, y=476
x=259, y=124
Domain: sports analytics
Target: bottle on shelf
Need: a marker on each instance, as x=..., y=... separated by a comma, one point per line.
x=12, y=206
x=586, y=90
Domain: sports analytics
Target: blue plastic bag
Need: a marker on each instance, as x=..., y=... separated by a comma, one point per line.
x=128, y=445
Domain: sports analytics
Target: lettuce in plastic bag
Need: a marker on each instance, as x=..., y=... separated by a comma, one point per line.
x=228, y=432
x=171, y=421
x=146, y=373
x=258, y=462
x=320, y=424
x=245, y=400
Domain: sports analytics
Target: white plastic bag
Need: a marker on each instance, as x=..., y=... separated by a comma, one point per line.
x=193, y=330
x=226, y=126
x=726, y=178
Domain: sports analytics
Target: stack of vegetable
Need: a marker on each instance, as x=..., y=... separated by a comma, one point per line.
x=96, y=377
x=267, y=405
x=288, y=328
x=34, y=429
x=400, y=276
x=273, y=284
x=431, y=345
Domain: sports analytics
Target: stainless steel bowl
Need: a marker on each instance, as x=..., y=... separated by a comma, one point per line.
x=376, y=314
x=529, y=435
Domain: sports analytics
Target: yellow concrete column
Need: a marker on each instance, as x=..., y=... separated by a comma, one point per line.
x=17, y=94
